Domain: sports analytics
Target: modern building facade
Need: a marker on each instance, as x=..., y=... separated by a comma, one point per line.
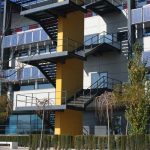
x=42, y=42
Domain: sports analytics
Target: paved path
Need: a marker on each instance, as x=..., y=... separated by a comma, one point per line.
x=7, y=148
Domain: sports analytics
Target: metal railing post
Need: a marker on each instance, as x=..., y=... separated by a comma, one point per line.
x=16, y=99
x=26, y=101
x=32, y=100
x=97, y=86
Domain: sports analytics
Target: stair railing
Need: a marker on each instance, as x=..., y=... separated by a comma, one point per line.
x=102, y=82
x=98, y=39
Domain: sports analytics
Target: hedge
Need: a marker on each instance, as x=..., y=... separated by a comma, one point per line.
x=80, y=142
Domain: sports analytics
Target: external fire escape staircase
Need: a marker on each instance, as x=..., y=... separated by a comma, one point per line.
x=46, y=14
x=84, y=97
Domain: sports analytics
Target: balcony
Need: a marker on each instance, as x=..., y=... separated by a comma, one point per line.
x=25, y=38
x=34, y=100
x=100, y=43
x=141, y=15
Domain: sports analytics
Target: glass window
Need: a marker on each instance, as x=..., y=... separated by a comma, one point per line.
x=23, y=125
x=147, y=31
x=34, y=123
x=27, y=87
x=45, y=86
x=12, y=125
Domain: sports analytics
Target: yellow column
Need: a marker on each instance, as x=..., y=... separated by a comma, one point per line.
x=69, y=76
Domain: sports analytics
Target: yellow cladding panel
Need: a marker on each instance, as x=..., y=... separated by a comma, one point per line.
x=69, y=78
x=68, y=122
x=70, y=31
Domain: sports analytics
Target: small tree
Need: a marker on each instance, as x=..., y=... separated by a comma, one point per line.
x=4, y=109
x=135, y=95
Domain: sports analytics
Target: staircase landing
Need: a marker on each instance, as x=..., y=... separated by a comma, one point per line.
x=103, y=7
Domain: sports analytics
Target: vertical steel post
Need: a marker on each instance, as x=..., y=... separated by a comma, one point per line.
x=129, y=22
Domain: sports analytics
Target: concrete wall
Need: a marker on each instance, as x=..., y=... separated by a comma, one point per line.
x=20, y=21
x=114, y=64
x=112, y=23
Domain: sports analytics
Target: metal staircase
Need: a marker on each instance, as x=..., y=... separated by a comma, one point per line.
x=102, y=42
x=103, y=7
x=49, y=71
x=49, y=120
x=84, y=97
x=47, y=21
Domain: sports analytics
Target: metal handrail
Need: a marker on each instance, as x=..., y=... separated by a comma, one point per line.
x=33, y=98
x=98, y=40
x=105, y=81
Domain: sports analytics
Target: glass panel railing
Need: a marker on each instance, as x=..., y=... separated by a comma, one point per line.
x=25, y=37
x=44, y=35
x=146, y=13
x=140, y=15
x=13, y=40
x=136, y=16
x=21, y=38
x=28, y=37
x=23, y=74
x=35, y=73
x=36, y=35
x=7, y=41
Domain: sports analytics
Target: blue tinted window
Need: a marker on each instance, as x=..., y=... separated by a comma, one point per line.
x=27, y=87
x=45, y=86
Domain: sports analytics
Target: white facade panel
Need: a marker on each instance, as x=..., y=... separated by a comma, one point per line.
x=93, y=25
x=114, y=64
x=146, y=53
x=146, y=41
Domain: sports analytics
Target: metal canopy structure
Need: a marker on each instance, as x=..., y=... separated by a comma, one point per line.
x=103, y=7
